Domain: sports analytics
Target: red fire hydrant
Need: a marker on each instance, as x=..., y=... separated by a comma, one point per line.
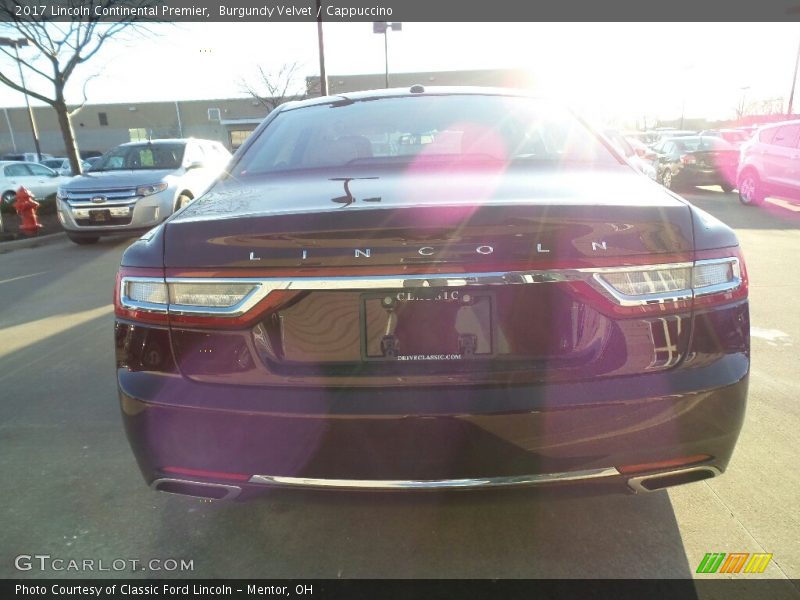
x=26, y=207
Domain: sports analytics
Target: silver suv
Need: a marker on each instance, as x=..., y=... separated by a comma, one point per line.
x=770, y=163
x=137, y=185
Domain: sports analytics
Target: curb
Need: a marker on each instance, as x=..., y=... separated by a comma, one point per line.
x=32, y=242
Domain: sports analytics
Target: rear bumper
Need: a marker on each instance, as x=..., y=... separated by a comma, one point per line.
x=395, y=438
x=707, y=176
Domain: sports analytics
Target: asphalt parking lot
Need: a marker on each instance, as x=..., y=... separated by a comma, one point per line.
x=72, y=489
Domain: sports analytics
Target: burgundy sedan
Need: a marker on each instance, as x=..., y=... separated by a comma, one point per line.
x=426, y=289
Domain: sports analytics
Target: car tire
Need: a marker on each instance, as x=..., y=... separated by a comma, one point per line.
x=751, y=191
x=726, y=187
x=83, y=240
x=8, y=201
x=182, y=201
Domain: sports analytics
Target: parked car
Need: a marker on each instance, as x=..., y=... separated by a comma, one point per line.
x=646, y=138
x=664, y=135
x=137, y=185
x=40, y=180
x=62, y=166
x=633, y=150
x=517, y=308
x=25, y=156
x=92, y=161
x=750, y=130
x=687, y=161
x=737, y=137
x=770, y=163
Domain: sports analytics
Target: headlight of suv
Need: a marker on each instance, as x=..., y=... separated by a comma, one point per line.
x=149, y=190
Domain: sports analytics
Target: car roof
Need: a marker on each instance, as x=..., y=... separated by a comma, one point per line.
x=779, y=124
x=3, y=163
x=400, y=92
x=159, y=141
x=169, y=141
x=694, y=138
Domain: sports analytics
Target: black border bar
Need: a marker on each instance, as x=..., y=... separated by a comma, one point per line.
x=399, y=589
x=404, y=10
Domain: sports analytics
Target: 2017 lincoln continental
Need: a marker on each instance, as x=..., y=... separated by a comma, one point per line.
x=431, y=289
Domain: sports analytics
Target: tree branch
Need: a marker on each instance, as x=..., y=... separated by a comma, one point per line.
x=78, y=108
x=13, y=85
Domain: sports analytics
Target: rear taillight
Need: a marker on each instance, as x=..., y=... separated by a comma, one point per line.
x=688, y=159
x=146, y=295
x=714, y=277
x=646, y=284
x=140, y=295
x=720, y=277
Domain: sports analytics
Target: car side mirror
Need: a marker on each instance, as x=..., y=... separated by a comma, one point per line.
x=195, y=164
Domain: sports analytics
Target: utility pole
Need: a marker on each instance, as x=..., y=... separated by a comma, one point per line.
x=794, y=80
x=323, y=78
x=16, y=44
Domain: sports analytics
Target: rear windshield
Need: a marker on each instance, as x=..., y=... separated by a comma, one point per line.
x=734, y=136
x=702, y=143
x=142, y=156
x=431, y=129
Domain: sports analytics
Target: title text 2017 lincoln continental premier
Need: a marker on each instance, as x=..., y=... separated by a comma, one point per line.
x=431, y=289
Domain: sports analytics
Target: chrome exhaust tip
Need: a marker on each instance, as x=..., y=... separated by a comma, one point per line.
x=196, y=489
x=659, y=481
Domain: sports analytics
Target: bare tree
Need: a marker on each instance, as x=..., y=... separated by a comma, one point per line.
x=764, y=106
x=61, y=47
x=273, y=88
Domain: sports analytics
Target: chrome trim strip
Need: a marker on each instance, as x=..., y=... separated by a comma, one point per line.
x=264, y=286
x=103, y=191
x=635, y=483
x=232, y=490
x=434, y=484
x=110, y=203
x=368, y=282
x=658, y=267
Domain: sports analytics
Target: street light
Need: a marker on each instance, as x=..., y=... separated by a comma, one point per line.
x=384, y=27
x=16, y=45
